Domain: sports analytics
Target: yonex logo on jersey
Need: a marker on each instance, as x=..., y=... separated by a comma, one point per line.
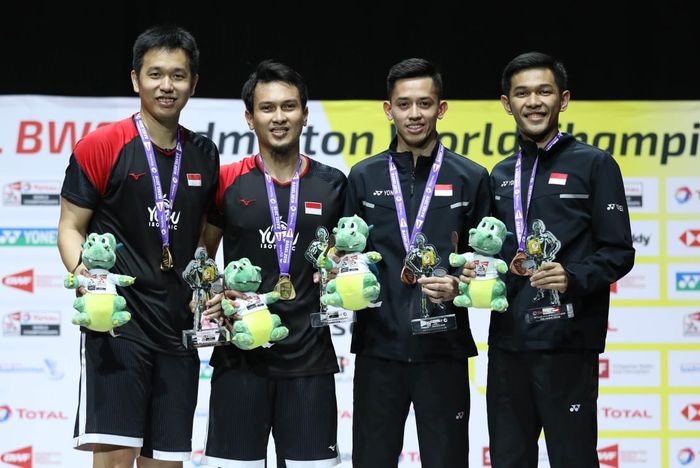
x=267, y=237
x=136, y=176
x=574, y=408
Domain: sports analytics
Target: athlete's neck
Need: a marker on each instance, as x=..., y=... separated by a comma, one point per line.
x=162, y=134
x=282, y=166
x=424, y=149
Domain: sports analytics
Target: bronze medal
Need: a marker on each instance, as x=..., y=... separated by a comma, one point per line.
x=166, y=262
x=407, y=276
x=285, y=288
x=521, y=264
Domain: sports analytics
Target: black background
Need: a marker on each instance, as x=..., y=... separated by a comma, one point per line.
x=84, y=49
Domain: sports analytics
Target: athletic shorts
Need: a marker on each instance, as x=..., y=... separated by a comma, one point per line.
x=301, y=412
x=132, y=396
x=383, y=391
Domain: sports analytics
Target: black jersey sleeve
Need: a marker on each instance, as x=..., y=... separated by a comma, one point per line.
x=613, y=256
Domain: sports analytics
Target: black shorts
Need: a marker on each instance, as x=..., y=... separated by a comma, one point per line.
x=383, y=391
x=302, y=413
x=132, y=396
x=533, y=390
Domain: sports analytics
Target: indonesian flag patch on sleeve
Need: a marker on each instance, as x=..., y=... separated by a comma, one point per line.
x=313, y=208
x=194, y=180
x=443, y=190
x=558, y=178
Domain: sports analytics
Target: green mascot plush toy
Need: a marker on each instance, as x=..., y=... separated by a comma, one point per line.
x=486, y=290
x=256, y=326
x=355, y=287
x=100, y=309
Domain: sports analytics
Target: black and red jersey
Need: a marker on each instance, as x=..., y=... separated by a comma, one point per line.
x=108, y=173
x=243, y=212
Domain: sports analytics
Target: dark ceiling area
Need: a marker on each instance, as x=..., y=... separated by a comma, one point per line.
x=52, y=48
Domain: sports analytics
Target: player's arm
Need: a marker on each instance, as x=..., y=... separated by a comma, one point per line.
x=72, y=230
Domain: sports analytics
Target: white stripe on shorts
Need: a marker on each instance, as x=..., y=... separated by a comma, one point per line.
x=225, y=463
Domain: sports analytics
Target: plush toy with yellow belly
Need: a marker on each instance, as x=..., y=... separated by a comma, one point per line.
x=355, y=287
x=486, y=290
x=253, y=324
x=100, y=309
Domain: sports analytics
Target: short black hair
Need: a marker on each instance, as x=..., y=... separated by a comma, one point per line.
x=169, y=37
x=530, y=60
x=413, y=68
x=268, y=71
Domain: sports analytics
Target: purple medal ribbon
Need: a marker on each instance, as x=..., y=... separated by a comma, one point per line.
x=424, y=203
x=162, y=212
x=520, y=228
x=284, y=240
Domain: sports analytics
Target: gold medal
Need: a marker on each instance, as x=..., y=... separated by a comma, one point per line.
x=285, y=288
x=166, y=262
x=407, y=276
x=522, y=265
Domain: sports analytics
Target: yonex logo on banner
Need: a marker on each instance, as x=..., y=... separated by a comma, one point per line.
x=688, y=281
x=28, y=237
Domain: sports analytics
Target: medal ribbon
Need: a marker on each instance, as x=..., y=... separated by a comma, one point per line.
x=520, y=228
x=161, y=212
x=283, y=239
x=408, y=241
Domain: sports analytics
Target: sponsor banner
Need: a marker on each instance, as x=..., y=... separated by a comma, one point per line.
x=683, y=195
x=684, y=412
x=683, y=238
x=629, y=453
x=642, y=282
x=683, y=453
x=642, y=194
x=645, y=238
x=28, y=237
x=31, y=323
x=684, y=366
x=622, y=412
x=31, y=193
x=661, y=325
x=683, y=281
x=630, y=369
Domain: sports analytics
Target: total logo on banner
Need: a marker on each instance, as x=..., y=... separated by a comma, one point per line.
x=683, y=194
x=8, y=414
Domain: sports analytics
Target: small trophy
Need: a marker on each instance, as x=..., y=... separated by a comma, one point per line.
x=327, y=314
x=422, y=260
x=203, y=276
x=542, y=246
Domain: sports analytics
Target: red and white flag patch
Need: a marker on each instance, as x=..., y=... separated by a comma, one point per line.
x=313, y=208
x=558, y=178
x=443, y=190
x=194, y=180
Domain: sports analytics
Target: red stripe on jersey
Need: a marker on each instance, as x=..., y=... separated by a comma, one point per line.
x=228, y=173
x=97, y=152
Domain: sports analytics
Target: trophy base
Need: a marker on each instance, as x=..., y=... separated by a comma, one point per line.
x=218, y=336
x=329, y=317
x=433, y=324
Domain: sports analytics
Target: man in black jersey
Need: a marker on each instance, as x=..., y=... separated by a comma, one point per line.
x=397, y=193
x=268, y=207
x=138, y=385
x=565, y=202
